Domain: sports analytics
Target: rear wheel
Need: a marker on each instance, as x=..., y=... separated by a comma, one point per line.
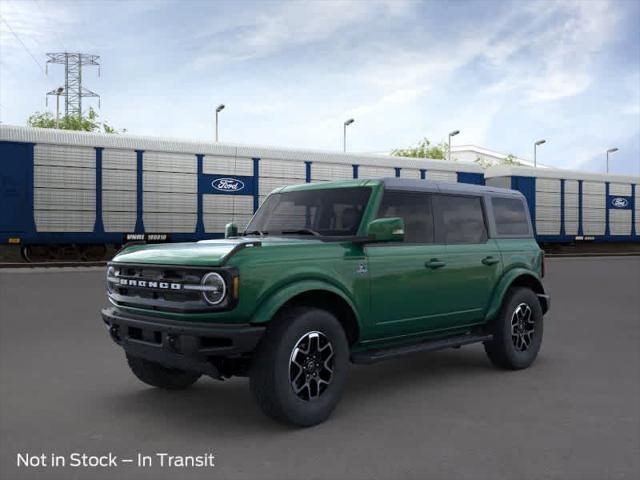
x=300, y=367
x=517, y=330
x=159, y=376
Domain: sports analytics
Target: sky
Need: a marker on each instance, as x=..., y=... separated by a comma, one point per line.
x=503, y=73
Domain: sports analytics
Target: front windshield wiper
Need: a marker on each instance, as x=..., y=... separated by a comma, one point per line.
x=302, y=231
x=255, y=232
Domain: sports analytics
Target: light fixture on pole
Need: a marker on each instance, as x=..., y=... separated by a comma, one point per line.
x=344, y=133
x=535, y=148
x=219, y=108
x=451, y=134
x=611, y=150
x=59, y=91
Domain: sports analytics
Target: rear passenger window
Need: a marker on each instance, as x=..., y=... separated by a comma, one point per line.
x=461, y=219
x=510, y=215
x=415, y=209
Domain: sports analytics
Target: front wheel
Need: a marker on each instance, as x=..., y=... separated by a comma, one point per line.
x=517, y=330
x=299, y=370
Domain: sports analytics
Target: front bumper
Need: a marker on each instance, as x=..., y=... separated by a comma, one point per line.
x=182, y=345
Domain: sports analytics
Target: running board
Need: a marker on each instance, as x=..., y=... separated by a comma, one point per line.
x=377, y=355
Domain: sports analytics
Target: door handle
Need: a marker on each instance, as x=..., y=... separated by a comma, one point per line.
x=490, y=260
x=434, y=263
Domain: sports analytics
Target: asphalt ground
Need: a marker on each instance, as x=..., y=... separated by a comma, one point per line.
x=65, y=388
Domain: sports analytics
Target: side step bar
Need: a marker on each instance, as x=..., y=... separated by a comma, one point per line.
x=374, y=356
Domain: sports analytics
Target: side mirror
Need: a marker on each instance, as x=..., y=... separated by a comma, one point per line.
x=386, y=230
x=230, y=230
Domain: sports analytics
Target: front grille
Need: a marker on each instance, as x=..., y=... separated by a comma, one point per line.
x=167, y=288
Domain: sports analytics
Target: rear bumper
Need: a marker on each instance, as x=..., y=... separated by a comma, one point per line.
x=182, y=345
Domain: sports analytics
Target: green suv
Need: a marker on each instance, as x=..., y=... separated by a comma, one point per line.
x=331, y=273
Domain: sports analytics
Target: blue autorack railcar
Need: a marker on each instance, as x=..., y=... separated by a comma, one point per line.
x=568, y=206
x=71, y=190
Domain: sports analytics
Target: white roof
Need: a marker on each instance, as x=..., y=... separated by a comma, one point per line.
x=14, y=133
x=511, y=171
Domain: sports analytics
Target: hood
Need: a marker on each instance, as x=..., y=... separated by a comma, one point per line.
x=203, y=253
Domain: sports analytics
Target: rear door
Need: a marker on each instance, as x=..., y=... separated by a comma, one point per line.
x=405, y=291
x=473, y=261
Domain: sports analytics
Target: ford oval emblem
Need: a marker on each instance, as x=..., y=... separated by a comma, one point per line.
x=619, y=202
x=227, y=184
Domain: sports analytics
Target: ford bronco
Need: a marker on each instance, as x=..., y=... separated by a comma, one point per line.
x=331, y=273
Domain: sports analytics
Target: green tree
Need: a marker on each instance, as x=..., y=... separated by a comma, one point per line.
x=508, y=160
x=424, y=149
x=88, y=123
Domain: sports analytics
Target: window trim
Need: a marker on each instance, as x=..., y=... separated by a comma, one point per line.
x=439, y=224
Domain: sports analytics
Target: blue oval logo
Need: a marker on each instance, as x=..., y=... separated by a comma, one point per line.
x=619, y=202
x=228, y=184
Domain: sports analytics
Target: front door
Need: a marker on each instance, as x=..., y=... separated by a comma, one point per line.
x=406, y=278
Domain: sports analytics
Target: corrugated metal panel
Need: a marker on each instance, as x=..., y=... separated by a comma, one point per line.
x=594, y=201
x=594, y=215
x=548, y=220
x=596, y=188
x=67, y=199
x=227, y=165
x=64, y=220
x=119, y=159
x=366, y=171
x=410, y=173
x=548, y=199
x=442, y=176
x=620, y=189
x=119, y=221
x=547, y=185
x=571, y=220
x=571, y=186
x=64, y=177
x=169, y=202
x=637, y=209
x=169, y=222
x=547, y=227
x=593, y=228
x=620, y=221
x=270, y=168
x=118, y=179
x=215, y=223
x=216, y=204
x=170, y=182
x=119, y=201
x=64, y=156
x=331, y=171
x=571, y=228
x=267, y=185
x=511, y=171
x=169, y=162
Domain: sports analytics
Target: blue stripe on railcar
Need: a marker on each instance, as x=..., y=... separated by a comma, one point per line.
x=98, y=228
x=469, y=177
x=16, y=190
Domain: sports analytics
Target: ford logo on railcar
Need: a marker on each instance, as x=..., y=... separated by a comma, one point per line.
x=228, y=184
x=619, y=202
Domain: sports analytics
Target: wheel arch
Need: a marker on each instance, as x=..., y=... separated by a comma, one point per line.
x=516, y=278
x=313, y=294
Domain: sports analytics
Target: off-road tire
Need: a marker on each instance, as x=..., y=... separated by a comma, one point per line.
x=159, y=376
x=502, y=350
x=270, y=374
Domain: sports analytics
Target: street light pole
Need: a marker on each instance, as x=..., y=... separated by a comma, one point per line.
x=535, y=147
x=219, y=108
x=344, y=133
x=611, y=150
x=451, y=134
x=59, y=91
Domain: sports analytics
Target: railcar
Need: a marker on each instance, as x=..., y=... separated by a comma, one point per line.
x=570, y=206
x=66, y=193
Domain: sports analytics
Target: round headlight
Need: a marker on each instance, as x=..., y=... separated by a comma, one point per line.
x=111, y=273
x=215, y=288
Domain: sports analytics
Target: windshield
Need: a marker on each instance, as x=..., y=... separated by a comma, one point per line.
x=327, y=212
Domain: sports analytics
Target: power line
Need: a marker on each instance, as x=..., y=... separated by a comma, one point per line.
x=23, y=45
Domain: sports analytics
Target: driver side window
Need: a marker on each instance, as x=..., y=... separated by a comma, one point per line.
x=415, y=210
